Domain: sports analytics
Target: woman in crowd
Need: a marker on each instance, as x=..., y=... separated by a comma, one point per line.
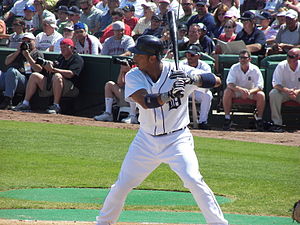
x=220, y=19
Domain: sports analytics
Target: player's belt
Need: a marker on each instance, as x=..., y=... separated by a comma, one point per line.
x=169, y=132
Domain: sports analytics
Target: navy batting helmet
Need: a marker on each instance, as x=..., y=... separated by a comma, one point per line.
x=148, y=45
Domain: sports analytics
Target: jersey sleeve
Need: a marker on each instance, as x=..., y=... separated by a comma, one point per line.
x=133, y=82
x=277, y=75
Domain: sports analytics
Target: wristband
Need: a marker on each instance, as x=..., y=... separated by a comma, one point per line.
x=208, y=80
x=151, y=101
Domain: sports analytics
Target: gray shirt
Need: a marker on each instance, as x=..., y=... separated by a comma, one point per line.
x=112, y=46
x=284, y=35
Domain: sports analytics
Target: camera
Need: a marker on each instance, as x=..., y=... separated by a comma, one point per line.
x=41, y=61
x=24, y=46
x=124, y=61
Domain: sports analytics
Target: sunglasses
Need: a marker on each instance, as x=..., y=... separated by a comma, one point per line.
x=79, y=31
x=292, y=56
x=244, y=57
x=228, y=27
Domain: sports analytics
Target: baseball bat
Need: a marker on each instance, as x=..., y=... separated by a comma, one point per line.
x=173, y=36
x=194, y=111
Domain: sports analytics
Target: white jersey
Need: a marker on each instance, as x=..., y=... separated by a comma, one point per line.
x=91, y=46
x=43, y=41
x=284, y=76
x=251, y=79
x=169, y=117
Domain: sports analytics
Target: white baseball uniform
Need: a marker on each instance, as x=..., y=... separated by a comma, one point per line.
x=202, y=95
x=163, y=137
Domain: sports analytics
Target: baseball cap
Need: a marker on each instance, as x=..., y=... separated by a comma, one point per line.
x=202, y=2
x=67, y=41
x=128, y=8
x=79, y=26
x=51, y=21
x=74, y=10
x=30, y=8
x=230, y=14
x=29, y=36
x=291, y=14
x=63, y=8
x=150, y=5
x=194, y=49
x=69, y=26
x=264, y=15
x=248, y=15
x=156, y=17
x=118, y=25
x=164, y=1
x=182, y=27
x=282, y=13
x=202, y=26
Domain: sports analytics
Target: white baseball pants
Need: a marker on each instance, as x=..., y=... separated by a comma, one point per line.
x=205, y=99
x=145, y=154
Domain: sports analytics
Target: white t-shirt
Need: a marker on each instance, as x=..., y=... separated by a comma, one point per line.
x=284, y=76
x=139, y=10
x=91, y=46
x=43, y=42
x=18, y=8
x=169, y=117
x=251, y=79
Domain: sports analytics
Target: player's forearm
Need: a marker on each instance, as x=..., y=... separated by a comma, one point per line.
x=207, y=80
x=149, y=101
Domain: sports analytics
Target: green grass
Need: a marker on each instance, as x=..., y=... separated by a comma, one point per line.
x=263, y=179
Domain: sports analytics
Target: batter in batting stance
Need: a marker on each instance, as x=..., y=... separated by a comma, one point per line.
x=161, y=93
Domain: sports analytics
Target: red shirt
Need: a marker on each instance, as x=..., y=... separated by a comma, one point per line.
x=131, y=22
x=108, y=32
x=223, y=37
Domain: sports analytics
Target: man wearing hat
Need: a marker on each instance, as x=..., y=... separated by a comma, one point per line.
x=68, y=32
x=188, y=9
x=62, y=15
x=202, y=95
x=203, y=16
x=265, y=19
x=156, y=28
x=20, y=64
x=288, y=36
x=29, y=12
x=86, y=43
x=45, y=40
x=119, y=43
x=137, y=4
x=182, y=33
x=61, y=80
x=254, y=38
x=129, y=17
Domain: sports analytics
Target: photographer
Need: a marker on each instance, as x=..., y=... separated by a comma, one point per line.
x=115, y=91
x=20, y=64
x=61, y=80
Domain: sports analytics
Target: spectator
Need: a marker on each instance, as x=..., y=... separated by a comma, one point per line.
x=139, y=11
x=119, y=43
x=103, y=6
x=213, y=5
x=15, y=38
x=68, y=32
x=2, y=28
x=129, y=17
x=117, y=15
x=265, y=19
x=63, y=16
x=188, y=9
x=115, y=91
x=106, y=19
x=203, y=16
x=144, y=22
x=272, y=5
x=163, y=8
x=233, y=16
x=20, y=64
x=29, y=12
x=45, y=41
x=244, y=81
x=253, y=5
x=17, y=10
x=86, y=43
x=292, y=4
x=182, y=33
x=194, y=37
x=202, y=95
x=220, y=20
x=74, y=16
x=207, y=44
x=90, y=16
x=41, y=14
x=254, y=38
x=156, y=28
x=286, y=86
x=229, y=31
x=63, y=82
x=233, y=5
x=288, y=35
x=280, y=19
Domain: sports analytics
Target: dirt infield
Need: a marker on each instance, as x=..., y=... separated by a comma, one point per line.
x=287, y=138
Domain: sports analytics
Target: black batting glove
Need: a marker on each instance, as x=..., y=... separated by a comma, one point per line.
x=177, y=90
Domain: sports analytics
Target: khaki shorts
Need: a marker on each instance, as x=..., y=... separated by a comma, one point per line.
x=239, y=95
x=69, y=90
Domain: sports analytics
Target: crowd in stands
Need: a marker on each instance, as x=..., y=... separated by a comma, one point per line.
x=111, y=27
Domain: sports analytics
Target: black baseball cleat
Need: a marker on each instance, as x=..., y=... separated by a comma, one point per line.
x=227, y=124
x=259, y=125
x=203, y=126
x=6, y=103
x=276, y=128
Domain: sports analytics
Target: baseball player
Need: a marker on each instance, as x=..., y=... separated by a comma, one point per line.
x=161, y=94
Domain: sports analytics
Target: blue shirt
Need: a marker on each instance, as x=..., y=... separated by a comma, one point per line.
x=208, y=46
x=208, y=20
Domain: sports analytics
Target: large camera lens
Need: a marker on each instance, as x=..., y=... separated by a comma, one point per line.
x=24, y=46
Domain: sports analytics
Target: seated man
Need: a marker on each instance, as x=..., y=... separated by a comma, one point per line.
x=21, y=64
x=244, y=81
x=61, y=80
x=86, y=43
x=116, y=91
x=286, y=86
x=202, y=95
